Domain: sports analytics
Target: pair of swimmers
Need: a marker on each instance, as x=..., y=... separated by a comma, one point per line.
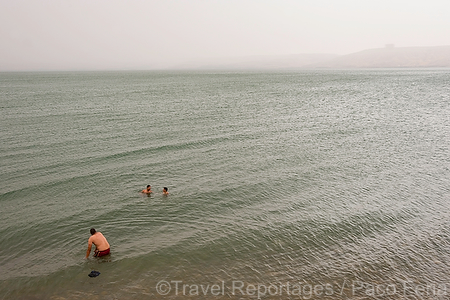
x=148, y=190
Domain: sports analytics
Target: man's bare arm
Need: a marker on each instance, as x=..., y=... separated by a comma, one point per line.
x=88, y=250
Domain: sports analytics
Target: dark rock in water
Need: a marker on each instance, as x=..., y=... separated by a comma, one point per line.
x=94, y=274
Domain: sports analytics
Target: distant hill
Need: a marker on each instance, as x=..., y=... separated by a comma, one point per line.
x=285, y=62
x=390, y=57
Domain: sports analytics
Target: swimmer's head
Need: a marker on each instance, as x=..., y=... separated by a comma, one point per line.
x=165, y=189
x=93, y=231
x=148, y=186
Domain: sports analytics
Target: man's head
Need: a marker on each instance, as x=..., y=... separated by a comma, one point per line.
x=93, y=231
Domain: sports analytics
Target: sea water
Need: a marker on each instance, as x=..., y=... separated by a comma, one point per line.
x=294, y=185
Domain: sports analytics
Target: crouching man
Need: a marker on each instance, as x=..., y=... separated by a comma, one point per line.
x=100, y=242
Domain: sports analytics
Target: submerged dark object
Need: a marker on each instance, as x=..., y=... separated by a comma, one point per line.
x=94, y=274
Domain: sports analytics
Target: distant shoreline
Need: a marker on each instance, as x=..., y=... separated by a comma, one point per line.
x=386, y=57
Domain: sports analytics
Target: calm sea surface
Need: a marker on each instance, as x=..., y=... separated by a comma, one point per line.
x=302, y=185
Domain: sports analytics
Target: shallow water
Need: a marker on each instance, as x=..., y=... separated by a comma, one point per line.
x=313, y=184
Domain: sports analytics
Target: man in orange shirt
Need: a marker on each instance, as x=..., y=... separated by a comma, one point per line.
x=101, y=244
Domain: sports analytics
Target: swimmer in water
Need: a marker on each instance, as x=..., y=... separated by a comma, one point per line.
x=148, y=190
x=165, y=191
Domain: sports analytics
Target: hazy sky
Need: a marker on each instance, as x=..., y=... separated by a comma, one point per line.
x=126, y=34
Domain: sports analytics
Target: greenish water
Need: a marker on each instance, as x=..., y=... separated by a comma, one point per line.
x=337, y=180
